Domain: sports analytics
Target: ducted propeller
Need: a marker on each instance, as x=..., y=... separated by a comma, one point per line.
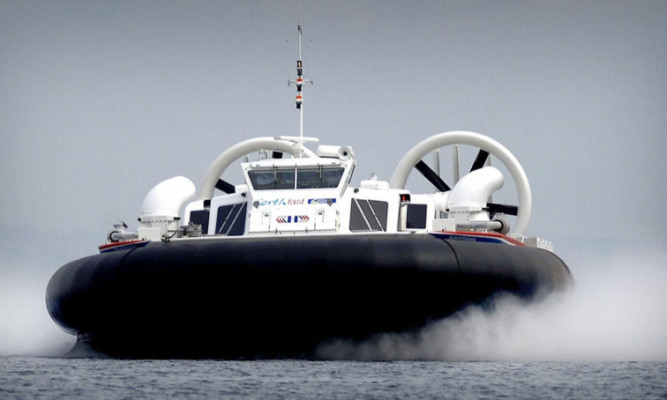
x=486, y=147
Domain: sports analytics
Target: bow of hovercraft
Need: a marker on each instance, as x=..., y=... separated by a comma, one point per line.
x=296, y=255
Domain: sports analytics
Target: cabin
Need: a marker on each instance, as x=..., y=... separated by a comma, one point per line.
x=310, y=195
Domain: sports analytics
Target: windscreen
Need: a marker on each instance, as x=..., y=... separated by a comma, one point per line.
x=299, y=178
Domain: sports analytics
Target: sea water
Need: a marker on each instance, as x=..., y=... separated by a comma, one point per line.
x=48, y=378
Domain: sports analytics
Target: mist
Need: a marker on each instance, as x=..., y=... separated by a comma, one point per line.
x=614, y=312
x=25, y=326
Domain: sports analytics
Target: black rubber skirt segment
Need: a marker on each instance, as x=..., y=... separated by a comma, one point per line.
x=281, y=297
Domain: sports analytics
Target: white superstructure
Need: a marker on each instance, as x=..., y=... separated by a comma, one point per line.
x=310, y=193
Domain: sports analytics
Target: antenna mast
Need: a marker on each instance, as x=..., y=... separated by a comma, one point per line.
x=299, y=80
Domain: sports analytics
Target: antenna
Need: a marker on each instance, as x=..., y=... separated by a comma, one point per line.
x=299, y=79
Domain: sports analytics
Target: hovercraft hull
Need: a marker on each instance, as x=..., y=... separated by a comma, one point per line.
x=282, y=297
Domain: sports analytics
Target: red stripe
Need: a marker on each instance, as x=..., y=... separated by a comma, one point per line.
x=111, y=245
x=487, y=234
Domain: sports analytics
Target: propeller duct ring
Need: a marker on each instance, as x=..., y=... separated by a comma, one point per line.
x=414, y=156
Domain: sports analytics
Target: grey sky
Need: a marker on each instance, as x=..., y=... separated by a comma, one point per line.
x=100, y=100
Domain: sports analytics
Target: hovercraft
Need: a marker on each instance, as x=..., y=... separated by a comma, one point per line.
x=296, y=256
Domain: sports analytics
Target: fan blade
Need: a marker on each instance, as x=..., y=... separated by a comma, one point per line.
x=431, y=176
x=225, y=186
x=502, y=208
x=482, y=155
x=277, y=154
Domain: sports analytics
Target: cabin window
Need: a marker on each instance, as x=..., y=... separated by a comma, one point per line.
x=302, y=178
x=272, y=179
x=318, y=178
x=200, y=217
x=368, y=215
x=231, y=220
x=416, y=216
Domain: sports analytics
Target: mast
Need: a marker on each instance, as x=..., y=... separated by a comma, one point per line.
x=299, y=80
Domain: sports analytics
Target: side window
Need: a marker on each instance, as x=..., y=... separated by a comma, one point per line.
x=200, y=217
x=368, y=215
x=231, y=219
x=416, y=218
